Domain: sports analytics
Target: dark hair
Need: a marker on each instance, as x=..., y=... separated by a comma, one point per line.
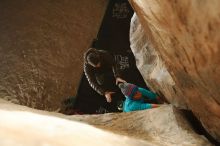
x=93, y=58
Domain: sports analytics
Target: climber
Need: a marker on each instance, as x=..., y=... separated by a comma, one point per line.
x=136, y=96
x=101, y=70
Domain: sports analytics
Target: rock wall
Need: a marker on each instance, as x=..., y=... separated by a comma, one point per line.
x=151, y=66
x=21, y=125
x=185, y=36
x=41, y=48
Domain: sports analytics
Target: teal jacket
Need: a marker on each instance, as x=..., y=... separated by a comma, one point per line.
x=130, y=104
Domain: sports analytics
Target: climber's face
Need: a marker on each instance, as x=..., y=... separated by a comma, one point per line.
x=98, y=65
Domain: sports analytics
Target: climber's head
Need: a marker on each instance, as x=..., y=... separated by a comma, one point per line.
x=92, y=57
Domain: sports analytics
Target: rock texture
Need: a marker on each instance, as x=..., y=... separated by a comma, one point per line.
x=21, y=125
x=180, y=54
x=41, y=48
x=151, y=66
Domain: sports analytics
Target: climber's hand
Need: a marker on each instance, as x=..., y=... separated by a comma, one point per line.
x=118, y=80
x=108, y=96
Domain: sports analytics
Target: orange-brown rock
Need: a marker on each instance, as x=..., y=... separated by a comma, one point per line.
x=41, y=48
x=185, y=36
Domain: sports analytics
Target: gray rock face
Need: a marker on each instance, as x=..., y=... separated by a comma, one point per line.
x=184, y=35
x=41, y=48
x=151, y=66
x=162, y=126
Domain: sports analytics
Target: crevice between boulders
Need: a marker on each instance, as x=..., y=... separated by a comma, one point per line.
x=197, y=126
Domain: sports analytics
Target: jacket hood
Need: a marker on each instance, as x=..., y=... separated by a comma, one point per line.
x=88, y=52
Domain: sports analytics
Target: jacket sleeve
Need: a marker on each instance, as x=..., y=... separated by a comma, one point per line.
x=144, y=106
x=90, y=75
x=135, y=106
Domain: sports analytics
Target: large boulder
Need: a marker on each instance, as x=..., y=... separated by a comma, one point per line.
x=180, y=54
x=21, y=125
x=151, y=66
x=41, y=48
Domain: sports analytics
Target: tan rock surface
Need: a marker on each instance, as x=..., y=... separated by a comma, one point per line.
x=41, y=48
x=26, y=127
x=151, y=66
x=185, y=35
x=21, y=125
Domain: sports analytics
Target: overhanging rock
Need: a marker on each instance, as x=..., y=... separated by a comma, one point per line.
x=151, y=66
x=184, y=35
